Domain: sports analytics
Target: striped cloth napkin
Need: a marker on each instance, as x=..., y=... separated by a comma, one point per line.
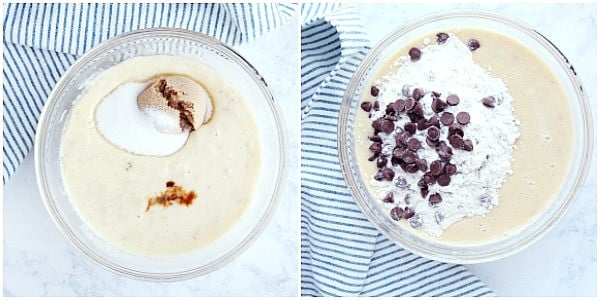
x=42, y=40
x=341, y=252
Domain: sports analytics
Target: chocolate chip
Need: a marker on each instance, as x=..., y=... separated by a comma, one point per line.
x=443, y=180
x=441, y=145
x=397, y=213
x=442, y=37
x=389, y=198
x=399, y=105
x=389, y=109
x=433, y=133
x=421, y=183
x=473, y=44
x=414, y=53
x=431, y=143
x=414, y=144
x=409, y=157
x=410, y=127
x=374, y=91
x=397, y=152
x=424, y=192
x=422, y=165
x=375, y=138
x=387, y=126
x=467, y=145
x=418, y=110
x=170, y=184
x=381, y=162
x=435, y=94
x=377, y=124
x=453, y=100
x=489, y=101
x=376, y=147
x=409, y=104
x=418, y=93
x=438, y=105
x=429, y=179
x=414, y=117
x=463, y=118
x=455, y=128
x=436, y=168
x=411, y=168
x=435, y=198
x=395, y=161
x=403, y=165
x=444, y=151
x=388, y=174
x=422, y=124
x=379, y=175
x=456, y=141
x=376, y=105
x=374, y=156
x=434, y=121
x=408, y=212
x=450, y=169
x=447, y=118
x=366, y=106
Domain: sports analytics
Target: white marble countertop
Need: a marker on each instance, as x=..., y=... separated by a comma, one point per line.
x=562, y=263
x=39, y=261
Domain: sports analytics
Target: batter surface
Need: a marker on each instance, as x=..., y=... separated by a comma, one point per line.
x=110, y=187
x=544, y=150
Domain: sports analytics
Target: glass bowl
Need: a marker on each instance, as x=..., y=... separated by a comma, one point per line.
x=500, y=248
x=147, y=42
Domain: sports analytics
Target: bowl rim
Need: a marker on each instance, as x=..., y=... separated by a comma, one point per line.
x=107, y=45
x=371, y=57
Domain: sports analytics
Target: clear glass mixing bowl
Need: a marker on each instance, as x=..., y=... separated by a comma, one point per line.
x=161, y=41
x=470, y=19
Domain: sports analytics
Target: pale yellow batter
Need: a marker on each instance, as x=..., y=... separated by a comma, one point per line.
x=544, y=149
x=110, y=187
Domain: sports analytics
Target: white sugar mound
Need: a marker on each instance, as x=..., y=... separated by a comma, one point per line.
x=149, y=132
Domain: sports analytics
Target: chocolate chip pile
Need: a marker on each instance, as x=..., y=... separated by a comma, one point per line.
x=406, y=147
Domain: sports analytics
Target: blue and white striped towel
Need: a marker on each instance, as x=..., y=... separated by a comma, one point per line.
x=341, y=252
x=42, y=40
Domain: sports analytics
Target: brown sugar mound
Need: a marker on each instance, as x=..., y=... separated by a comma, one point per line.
x=180, y=97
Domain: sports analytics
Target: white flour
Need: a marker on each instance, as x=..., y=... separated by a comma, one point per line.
x=449, y=69
x=123, y=124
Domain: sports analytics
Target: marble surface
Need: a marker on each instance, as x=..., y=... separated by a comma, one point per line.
x=562, y=263
x=39, y=261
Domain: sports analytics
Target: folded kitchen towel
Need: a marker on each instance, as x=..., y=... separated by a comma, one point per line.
x=42, y=40
x=342, y=254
